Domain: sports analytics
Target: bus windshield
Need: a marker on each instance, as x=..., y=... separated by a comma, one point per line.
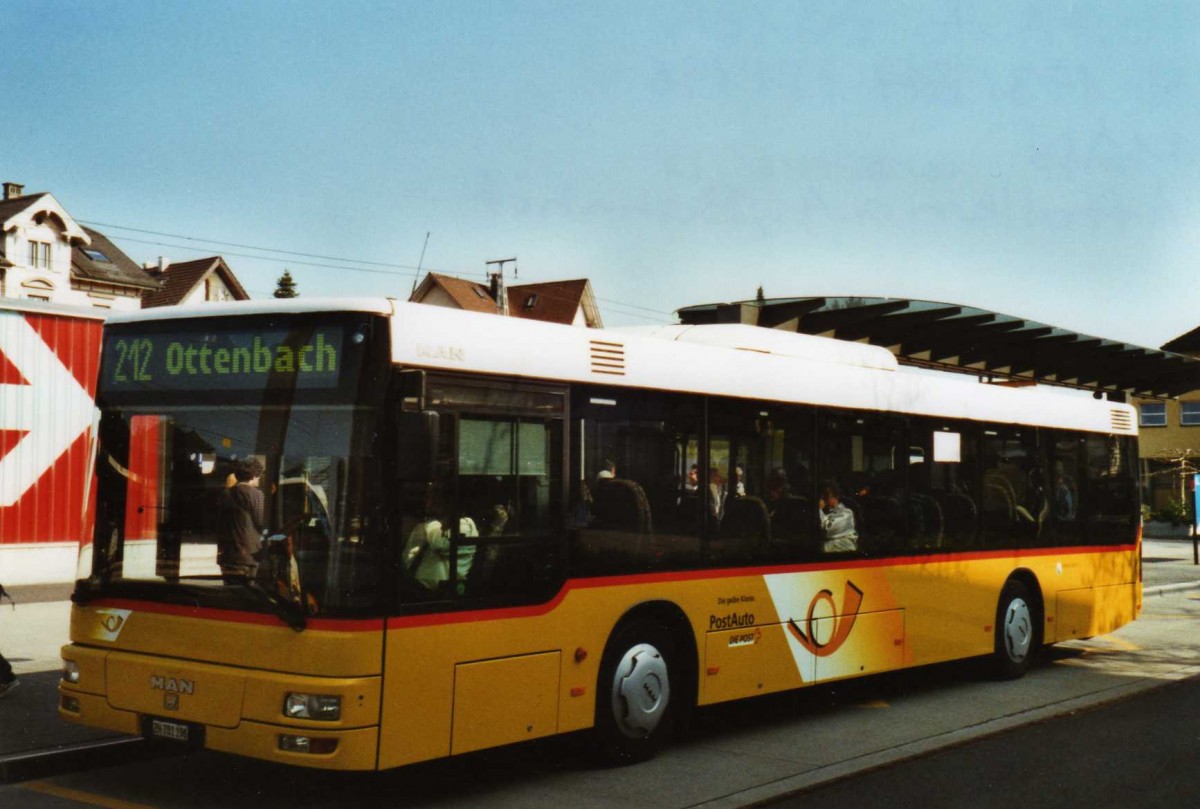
x=247, y=494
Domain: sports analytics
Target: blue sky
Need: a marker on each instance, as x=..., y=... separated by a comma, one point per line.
x=1039, y=159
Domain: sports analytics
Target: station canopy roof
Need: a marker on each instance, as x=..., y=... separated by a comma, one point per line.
x=963, y=338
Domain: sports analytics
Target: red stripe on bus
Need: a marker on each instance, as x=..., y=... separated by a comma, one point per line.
x=627, y=580
x=502, y=613
x=238, y=616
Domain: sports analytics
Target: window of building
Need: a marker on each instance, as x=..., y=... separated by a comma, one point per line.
x=95, y=255
x=1153, y=414
x=1189, y=414
x=39, y=255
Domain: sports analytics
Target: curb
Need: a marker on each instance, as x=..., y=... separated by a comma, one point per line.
x=820, y=776
x=1164, y=589
x=85, y=755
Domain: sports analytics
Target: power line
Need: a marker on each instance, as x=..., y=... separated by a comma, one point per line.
x=274, y=258
x=277, y=250
x=405, y=270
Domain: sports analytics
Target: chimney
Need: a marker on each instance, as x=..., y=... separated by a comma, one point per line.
x=13, y=190
x=157, y=269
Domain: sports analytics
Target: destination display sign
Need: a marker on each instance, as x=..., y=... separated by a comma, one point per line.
x=223, y=360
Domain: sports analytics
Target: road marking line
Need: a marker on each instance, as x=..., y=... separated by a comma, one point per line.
x=874, y=703
x=1120, y=643
x=47, y=788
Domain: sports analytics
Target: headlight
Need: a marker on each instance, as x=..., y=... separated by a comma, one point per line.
x=313, y=706
x=70, y=671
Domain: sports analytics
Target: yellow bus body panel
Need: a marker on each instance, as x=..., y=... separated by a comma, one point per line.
x=421, y=687
x=232, y=676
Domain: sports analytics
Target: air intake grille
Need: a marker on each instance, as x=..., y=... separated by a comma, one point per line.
x=607, y=358
x=1122, y=420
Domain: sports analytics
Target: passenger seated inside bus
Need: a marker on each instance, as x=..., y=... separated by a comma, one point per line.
x=777, y=489
x=279, y=571
x=716, y=493
x=581, y=510
x=837, y=521
x=497, y=520
x=427, y=552
x=1064, y=495
x=738, y=486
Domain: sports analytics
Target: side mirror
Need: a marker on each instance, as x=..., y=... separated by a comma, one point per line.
x=416, y=450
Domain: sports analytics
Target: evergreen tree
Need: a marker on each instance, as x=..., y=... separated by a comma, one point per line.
x=285, y=287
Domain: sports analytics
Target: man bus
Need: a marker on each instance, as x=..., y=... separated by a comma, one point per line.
x=445, y=569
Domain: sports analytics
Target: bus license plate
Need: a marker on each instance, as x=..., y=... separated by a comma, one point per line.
x=174, y=731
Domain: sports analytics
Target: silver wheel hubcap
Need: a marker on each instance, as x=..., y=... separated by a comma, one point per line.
x=640, y=691
x=1018, y=629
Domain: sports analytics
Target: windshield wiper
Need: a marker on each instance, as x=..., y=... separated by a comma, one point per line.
x=288, y=612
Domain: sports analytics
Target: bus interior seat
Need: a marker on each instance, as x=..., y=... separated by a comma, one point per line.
x=792, y=520
x=885, y=515
x=960, y=516
x=998, y=503
x=621, y=505
x=746, y=518
x=926, y=519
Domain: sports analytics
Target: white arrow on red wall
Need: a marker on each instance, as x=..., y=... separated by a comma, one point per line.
x=52, y=410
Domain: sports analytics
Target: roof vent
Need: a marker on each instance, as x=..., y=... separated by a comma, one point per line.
x=607, y=357
x=1122, y=421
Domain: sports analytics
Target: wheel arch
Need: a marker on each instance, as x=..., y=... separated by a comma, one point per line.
x=670, y=616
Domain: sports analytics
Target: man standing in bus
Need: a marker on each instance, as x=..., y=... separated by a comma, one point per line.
x=837, y=521
x=240, y=522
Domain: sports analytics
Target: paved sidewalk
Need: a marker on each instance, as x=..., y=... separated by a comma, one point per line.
x=1167, y=565
x=34, y=742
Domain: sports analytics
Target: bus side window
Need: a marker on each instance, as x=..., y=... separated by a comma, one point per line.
x=633, y=506
x=863, y=463
x=509, y=484
x=1110, y=496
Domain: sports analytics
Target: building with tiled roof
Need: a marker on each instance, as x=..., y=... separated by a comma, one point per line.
x=197, y=281
x=46, y=255
x=457, y=293
x=568, y=302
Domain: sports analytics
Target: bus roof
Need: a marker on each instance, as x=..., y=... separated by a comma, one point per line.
x=730, y=360
x=747, y=362
x=381, y=306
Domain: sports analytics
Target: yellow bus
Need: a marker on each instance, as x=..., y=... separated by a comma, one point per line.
x=361, y=534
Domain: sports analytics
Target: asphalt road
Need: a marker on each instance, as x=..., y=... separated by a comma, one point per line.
x=1141, y=752
x=934, y=737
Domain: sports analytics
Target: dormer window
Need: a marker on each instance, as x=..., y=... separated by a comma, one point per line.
x=39, y=255
x=531, y=301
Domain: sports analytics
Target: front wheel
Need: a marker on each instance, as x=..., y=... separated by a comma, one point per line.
x=1016, y=631
x=634, y=711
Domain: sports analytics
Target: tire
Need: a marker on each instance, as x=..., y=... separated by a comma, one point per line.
x=637, y=693
x=1017, y=631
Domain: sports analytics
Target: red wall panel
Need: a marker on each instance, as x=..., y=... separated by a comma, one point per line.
x=48, y=370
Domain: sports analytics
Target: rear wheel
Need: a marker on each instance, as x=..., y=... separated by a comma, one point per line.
x=634, y=708
x=1017, y=623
